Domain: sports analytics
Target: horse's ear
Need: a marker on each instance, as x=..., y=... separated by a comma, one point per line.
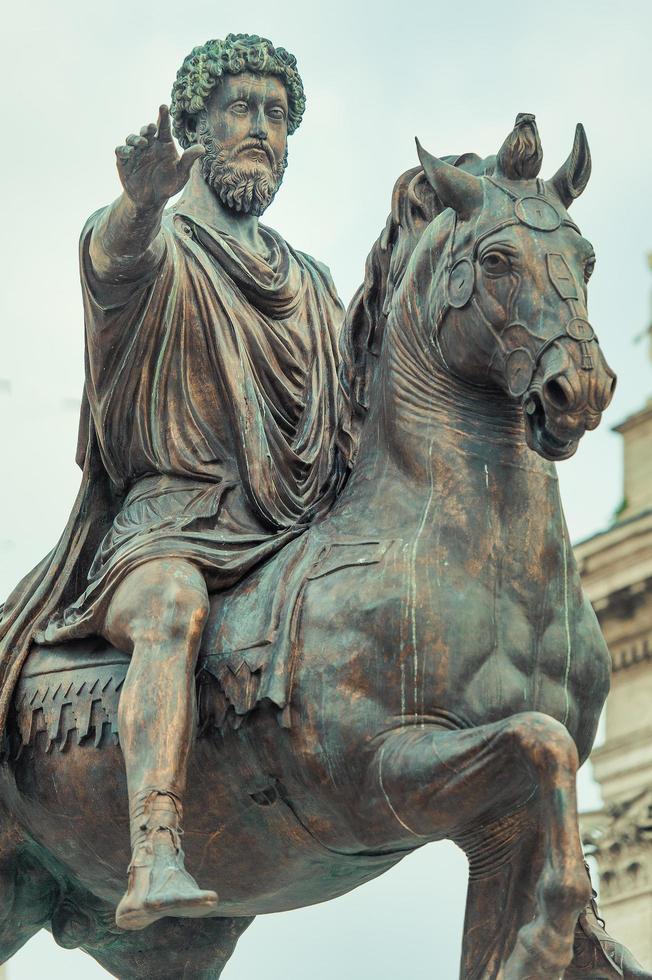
x=571, y=179
x=455, y=188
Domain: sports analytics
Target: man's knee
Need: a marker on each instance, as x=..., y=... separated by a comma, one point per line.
x=162, y=602
x=183, y=610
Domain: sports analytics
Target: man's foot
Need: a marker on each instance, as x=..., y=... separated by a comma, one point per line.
x=596, y=956
x=159, y=885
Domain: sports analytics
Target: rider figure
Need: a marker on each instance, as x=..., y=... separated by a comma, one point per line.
x=211, y=383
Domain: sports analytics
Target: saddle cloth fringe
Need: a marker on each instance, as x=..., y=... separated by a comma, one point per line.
x=69, y=706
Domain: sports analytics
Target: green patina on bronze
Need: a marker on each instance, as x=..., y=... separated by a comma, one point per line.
x=207, y=63
x=320, y=607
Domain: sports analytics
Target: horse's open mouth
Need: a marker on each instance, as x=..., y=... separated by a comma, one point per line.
x=539, y=436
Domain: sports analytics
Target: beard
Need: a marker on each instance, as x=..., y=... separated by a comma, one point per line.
x=242, y=185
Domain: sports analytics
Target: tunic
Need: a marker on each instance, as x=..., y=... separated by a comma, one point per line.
x=208, y=425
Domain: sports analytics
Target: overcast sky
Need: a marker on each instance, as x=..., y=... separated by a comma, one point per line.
x=78, y=77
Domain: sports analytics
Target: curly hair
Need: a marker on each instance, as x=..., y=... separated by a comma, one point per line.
x=203, y=67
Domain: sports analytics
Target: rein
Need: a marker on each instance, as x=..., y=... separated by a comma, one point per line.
x=538, y=213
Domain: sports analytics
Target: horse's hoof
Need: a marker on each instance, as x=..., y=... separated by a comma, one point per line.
x=159, y=886
x=597, y=955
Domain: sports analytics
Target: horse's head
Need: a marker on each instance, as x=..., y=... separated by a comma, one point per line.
x=510, y=275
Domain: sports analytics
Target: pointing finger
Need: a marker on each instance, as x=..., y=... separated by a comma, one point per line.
x=164, y=131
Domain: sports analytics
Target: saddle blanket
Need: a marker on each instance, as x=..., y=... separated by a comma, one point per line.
x=249, y=647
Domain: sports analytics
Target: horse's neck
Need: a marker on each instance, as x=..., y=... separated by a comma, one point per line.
x=428, y=433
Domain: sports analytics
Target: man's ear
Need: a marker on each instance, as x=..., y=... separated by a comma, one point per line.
x=190, y=126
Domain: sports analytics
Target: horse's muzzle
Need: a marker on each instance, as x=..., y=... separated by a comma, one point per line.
x=568, y=396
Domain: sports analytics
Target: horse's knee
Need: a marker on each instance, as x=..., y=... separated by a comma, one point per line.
x=543, y=742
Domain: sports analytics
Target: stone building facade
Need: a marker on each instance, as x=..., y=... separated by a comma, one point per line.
x=616, y=568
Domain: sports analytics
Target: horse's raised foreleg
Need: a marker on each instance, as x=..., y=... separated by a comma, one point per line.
x=506, y=793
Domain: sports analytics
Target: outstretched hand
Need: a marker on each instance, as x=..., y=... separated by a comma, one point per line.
x=150, y=168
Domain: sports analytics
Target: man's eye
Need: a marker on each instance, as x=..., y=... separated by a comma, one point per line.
x=589, y=266
x=276, y=113
x=496, y=264
x=240, y=107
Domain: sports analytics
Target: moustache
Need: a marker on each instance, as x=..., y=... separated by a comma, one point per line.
x=251, y=144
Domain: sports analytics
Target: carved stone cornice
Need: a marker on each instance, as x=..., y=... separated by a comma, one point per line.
x=616, y=564
x=622, y=765
x=629, y=654
x=620, y=839
x=616, y=569
x=634, y=421
x=626, y=822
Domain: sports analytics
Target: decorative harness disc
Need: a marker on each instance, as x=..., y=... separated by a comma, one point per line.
x=537, y=212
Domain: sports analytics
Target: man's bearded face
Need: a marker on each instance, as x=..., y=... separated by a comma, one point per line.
x=244, y=132
x=245, y=177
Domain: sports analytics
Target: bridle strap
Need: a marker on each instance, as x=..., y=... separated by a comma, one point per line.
x=521, y=217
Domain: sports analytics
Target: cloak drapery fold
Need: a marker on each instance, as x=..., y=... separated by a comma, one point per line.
x=207, y=428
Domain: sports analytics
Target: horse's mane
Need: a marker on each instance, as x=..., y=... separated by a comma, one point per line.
x=414, y=205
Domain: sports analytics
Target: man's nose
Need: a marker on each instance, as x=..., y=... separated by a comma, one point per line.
x=259, y=125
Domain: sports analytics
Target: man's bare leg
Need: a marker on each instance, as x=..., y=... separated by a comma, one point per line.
x=157, y=615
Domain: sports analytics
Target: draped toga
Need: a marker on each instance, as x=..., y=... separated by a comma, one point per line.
x=207, y=431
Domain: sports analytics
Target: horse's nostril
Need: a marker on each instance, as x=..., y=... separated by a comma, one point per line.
x=606, y=392
x=557, y=394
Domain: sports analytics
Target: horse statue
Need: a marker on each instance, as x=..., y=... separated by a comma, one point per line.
x=420, y=665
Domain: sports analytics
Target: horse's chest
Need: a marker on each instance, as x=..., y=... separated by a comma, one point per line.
x=485, y=639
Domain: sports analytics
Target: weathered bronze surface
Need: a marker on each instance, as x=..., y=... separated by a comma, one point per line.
x=328, y=624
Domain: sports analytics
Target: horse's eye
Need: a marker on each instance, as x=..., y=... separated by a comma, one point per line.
x=496, y=264
x=589, y=266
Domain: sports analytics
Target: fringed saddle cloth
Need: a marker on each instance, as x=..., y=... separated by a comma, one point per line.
x=68, y=694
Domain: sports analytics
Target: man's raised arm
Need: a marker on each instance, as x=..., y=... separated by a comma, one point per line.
x=126, y=242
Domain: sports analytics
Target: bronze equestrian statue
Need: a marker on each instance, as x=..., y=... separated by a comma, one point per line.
x=371, y=590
